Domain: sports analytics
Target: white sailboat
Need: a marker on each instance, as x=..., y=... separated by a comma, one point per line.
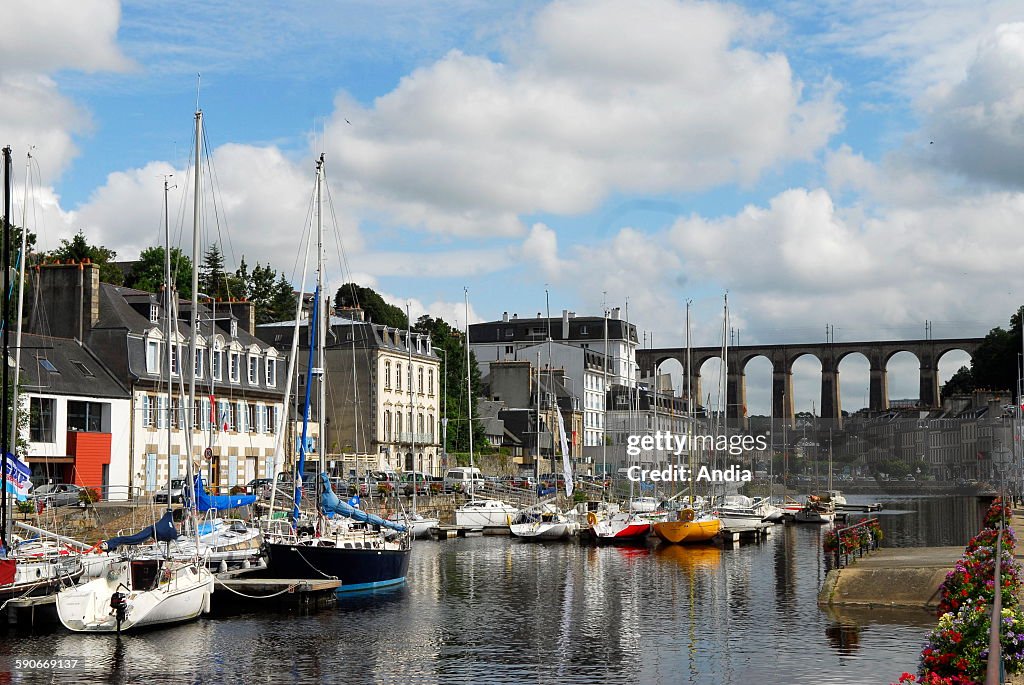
x=477, y=513
x=152, y=587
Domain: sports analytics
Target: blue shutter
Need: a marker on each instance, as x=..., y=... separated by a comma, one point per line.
x=173, y=473
x=232, y=470
x=151, y=472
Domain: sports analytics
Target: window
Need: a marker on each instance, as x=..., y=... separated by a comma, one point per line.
x=200, y=362
x=161, y=411
x=398, y=426
x=197, y=414
x=241, y=416
x=261, y=418
x=217, y=361
x=176, y=414
x=387, y=374
x=430, y=382
x=271, y=372
x=387, y=425
x=252, y=421
x=235, y=368
x=398, y=377
x=430, y=428
x=234, y=328
x=254, y=368
x=147, y=411
x=272, y=420
x=204, y=415
x=152, y=356
x=83, y=368
x=154, y=313
x=419, y=380
x=175, y=354
x=40, y=421
x=223, y=415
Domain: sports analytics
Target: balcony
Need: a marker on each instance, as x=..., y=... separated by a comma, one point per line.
x=418, y=438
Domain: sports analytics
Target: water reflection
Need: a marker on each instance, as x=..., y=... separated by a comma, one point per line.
x=489, y=610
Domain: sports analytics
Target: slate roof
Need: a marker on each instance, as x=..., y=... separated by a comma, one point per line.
x=61, y=366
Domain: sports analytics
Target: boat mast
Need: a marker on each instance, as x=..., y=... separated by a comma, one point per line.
x=322, y=321
x=689, y=405
x=536, y=459
x=604, y=401
x=412, y=404
x=469, y=400
x=5, y=427
x=193, y=322
x=168, y=315
x=22, y=255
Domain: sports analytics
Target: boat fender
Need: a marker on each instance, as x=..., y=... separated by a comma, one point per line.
x=686, y=515
x=591, y=518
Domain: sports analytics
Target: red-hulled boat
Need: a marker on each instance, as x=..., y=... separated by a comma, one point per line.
x=619, y=527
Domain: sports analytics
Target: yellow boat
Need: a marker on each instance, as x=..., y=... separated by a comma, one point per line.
x=686, y=529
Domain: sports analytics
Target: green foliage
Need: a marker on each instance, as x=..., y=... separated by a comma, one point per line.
x=78, y=249
x=217, y=283
x=374, y=306
x=148, y=273
x=993, y=365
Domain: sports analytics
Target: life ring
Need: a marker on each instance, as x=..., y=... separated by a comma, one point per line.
x=686, y=515
x=591, y=518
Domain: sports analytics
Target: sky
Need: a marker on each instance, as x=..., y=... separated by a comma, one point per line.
x=853, y=164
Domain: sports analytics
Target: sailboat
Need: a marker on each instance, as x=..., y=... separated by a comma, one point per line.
x=688, y=525
x=153, y=586
x=479, y=513
x=362, y=550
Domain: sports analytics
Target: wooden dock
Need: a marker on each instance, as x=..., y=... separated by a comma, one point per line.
x=231, y=588
x=752, y=532
x=447, y=532
x=859, y=508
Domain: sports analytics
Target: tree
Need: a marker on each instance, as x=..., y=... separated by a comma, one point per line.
x=281, y=303
x=994, y=363
x=78, y=249
x=148, y=273
x=959, y=383
x=214, y=281
x=374, y=306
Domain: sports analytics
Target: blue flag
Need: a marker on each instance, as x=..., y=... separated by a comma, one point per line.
x=18, y=474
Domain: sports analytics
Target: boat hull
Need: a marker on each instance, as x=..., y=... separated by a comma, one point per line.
x=491, y=515
x=183, y=597
x=542, y=530
x=678, y=532
x=357, y=569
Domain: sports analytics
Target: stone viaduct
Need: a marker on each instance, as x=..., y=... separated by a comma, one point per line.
x=878, y=354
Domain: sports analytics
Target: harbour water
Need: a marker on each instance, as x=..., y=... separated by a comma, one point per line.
x=496, y=610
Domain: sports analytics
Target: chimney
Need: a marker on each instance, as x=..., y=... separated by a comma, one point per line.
x=565, y=324
x=70, y=297
x=515, y=317
x=614, y=313
x=538, y=315
x=504, y=317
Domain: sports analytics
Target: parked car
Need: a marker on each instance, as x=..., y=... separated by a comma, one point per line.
x=909, y=478
x=421, y=480
x=259, y=487
x=57, y=494
x=459, y=478
x=518, y=481
x=177, y=489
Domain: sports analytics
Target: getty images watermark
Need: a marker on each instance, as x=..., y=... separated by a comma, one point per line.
x=675, y=445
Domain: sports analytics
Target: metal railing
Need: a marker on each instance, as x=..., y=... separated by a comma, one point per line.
x=841, y=557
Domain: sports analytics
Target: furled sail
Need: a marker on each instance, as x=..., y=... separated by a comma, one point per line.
x=163, y=530
x=329, y=502
x=205, y=502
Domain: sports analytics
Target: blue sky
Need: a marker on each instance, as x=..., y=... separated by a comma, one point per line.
x=846, y=163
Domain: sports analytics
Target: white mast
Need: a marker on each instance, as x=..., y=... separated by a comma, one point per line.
x=194, y=314
x=21, y=308
x=321, y=320
x=469, y=398
x=412, y=404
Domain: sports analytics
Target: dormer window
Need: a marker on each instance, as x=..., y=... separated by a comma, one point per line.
x=154, y=313
x=198, y=367
x=152, y=356
x=254, y=366
x=217, y=361
x=271, y=372
x=234, y=328
x=235, y=366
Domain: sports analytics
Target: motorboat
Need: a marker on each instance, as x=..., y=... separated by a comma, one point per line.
x=485, y=513
x=543, y=523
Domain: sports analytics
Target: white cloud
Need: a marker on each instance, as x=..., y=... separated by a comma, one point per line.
x=40, y=38
x=601, y=97
x=977, y=124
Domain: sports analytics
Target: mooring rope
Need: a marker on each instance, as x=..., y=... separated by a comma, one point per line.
x=242, y=594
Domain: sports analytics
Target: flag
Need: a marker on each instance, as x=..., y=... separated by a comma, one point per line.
x=18, y=474
x=566, y=466
x=213, y=410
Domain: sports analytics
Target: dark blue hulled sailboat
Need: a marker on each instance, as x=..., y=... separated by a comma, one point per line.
x=362, y=550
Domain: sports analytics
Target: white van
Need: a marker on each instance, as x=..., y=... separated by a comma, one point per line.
x=459, y=478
